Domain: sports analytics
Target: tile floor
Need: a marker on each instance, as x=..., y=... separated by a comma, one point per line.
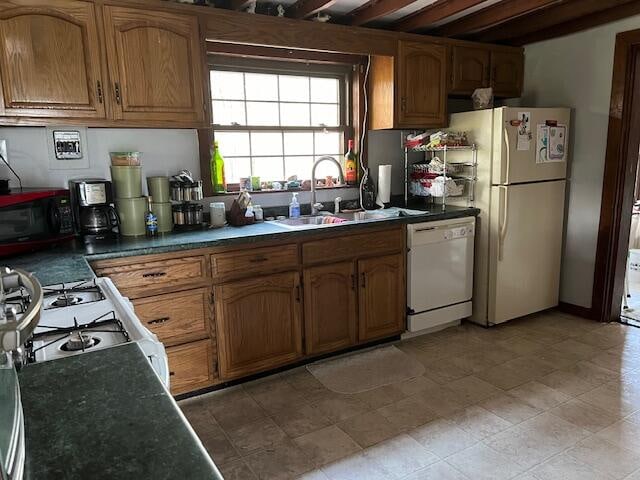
x=549, y=396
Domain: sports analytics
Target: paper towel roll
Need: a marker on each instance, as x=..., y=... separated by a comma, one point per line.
x=384, y=185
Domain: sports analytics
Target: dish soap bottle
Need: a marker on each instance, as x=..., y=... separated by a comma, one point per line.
x=217, y=170
x=150, y=220
x=351, y=165
x=294, y=206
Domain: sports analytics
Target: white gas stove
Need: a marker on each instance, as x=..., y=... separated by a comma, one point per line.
x=81, y=317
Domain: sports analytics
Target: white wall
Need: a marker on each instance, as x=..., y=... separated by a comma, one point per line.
x=575, y=71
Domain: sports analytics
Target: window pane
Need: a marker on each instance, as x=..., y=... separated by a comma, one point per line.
x=294, y=114
x=328, y=168
x=266, y=143
x=233, y=144
x=299, y=166
x=328, y=143
x=268, y=168
x=228, y=113
x=325, y=90
x=236, y=168
x=324, y=115
x=262, y=113
x=227, y=85
x=298, y=143
x=261, y=86
x=294, y=89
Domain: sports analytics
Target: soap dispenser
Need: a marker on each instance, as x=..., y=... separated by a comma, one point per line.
x=294, y=206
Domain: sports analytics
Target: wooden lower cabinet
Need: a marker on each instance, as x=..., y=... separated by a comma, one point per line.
x=381, y=296
x=258, y=323
x=191, y=366
x=330, y=307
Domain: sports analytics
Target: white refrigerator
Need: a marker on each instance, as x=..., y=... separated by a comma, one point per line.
x=522, y=167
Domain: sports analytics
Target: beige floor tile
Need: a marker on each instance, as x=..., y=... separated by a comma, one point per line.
x=510, y=408
x=438, y=471
x=480, y=358
x=443, y=437
x=566, y=382
x=608, y=336
x=283, y=461
x=304, y=382
x=380, y=397
x=413, y=386
x=401, y=455
x=558, y=358
x=327, y=445
x=481, y=462
x=624, y=434
x=585, y=415
x=279, y=396
x=313, y=475
x=338, y=407
x=522, y=346
x=409, y=413
x=539, y=395
x=443, y=401
x=479, y=422
x=256, y=435
x=471, y=389
x=567, y=468
x=301, y=420
x=369, y=428
x=216, y=442
x=235, y=410
x=617, y=362
x=580, y=350
x=503, y=376
x=356, y=467
x=536, y=439
x=592, y=373
x=606, y=457
x=443, y=372
x=614, y=398
x=237, y=470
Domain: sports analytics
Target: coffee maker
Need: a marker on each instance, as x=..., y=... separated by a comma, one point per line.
x=93, y=211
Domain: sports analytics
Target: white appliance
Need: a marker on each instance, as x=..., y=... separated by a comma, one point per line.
x=439, y=273
x=522, y=166
x=85, y=316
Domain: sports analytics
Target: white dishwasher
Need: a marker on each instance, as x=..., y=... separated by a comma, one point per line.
x=439, y=272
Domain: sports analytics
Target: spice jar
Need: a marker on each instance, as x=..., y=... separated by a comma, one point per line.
x=178, y=214
x=176, y=191
x=196, y=190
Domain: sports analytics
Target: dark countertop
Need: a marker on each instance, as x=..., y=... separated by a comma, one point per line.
x=106, y=415
x=69, y=262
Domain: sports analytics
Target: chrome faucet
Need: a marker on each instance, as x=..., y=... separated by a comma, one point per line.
x=315, y=207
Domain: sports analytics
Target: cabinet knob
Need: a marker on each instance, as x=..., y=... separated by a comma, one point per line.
x=117, y=91
x=99, y=91
x=159, y=320
x=403, y=104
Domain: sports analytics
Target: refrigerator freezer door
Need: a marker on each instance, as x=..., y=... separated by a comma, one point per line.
x=525, y=249
x=513, y=166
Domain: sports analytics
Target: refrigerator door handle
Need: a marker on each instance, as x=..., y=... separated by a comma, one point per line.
x=505, y=178
x=502, y=233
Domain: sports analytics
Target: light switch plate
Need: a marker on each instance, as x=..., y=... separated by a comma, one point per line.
x=4, y=171
x=67, y=148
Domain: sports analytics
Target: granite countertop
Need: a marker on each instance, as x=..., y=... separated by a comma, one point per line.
x=106, y=415
x=69, y=262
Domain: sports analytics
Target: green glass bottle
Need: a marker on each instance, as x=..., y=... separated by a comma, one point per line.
x=217, y=170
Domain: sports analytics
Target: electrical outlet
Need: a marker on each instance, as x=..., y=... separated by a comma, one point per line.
x=3, y=150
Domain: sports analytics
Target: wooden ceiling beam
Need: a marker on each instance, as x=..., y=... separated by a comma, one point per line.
x=433, y=13
x=558, y=17
x=308, y=8
x=375, y=9
x=492, y=16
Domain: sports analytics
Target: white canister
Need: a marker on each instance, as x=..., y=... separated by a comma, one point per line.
x=217, y=214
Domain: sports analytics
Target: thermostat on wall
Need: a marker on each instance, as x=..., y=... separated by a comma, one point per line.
x=67, y=147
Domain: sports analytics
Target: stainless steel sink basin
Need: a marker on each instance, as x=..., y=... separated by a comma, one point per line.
x=313, y=220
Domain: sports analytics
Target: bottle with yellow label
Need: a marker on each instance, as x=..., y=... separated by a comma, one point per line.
x=351, y=165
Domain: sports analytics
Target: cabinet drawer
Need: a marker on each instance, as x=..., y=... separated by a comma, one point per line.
x=176, y=317
x=342, y=248
x=190, y=366
x=254, y=260
x=161, y=273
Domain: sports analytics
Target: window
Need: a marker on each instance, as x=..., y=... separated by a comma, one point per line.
x=274, y=121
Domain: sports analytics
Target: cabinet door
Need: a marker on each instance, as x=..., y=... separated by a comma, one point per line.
x=507, y=70
x=154, y=65
x=258, y=322
x=381, y=296
x=470, y=69
x=330, y=310
x=191, y=366
x=50, y=60
x=422, y=85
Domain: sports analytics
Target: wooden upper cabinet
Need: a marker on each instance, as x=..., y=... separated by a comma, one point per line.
x=330, y=307
x=507, y=72
x=422, y=82
x=50, y=60
x=258, y=323
x=382, y=300
x=470, y=69
x=155, y=65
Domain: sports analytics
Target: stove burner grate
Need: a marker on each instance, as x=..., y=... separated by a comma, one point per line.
x=66, y=300
x=71, y=295
x=79, y=341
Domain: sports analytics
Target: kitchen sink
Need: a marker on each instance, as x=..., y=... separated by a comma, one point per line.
x=314, y=220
